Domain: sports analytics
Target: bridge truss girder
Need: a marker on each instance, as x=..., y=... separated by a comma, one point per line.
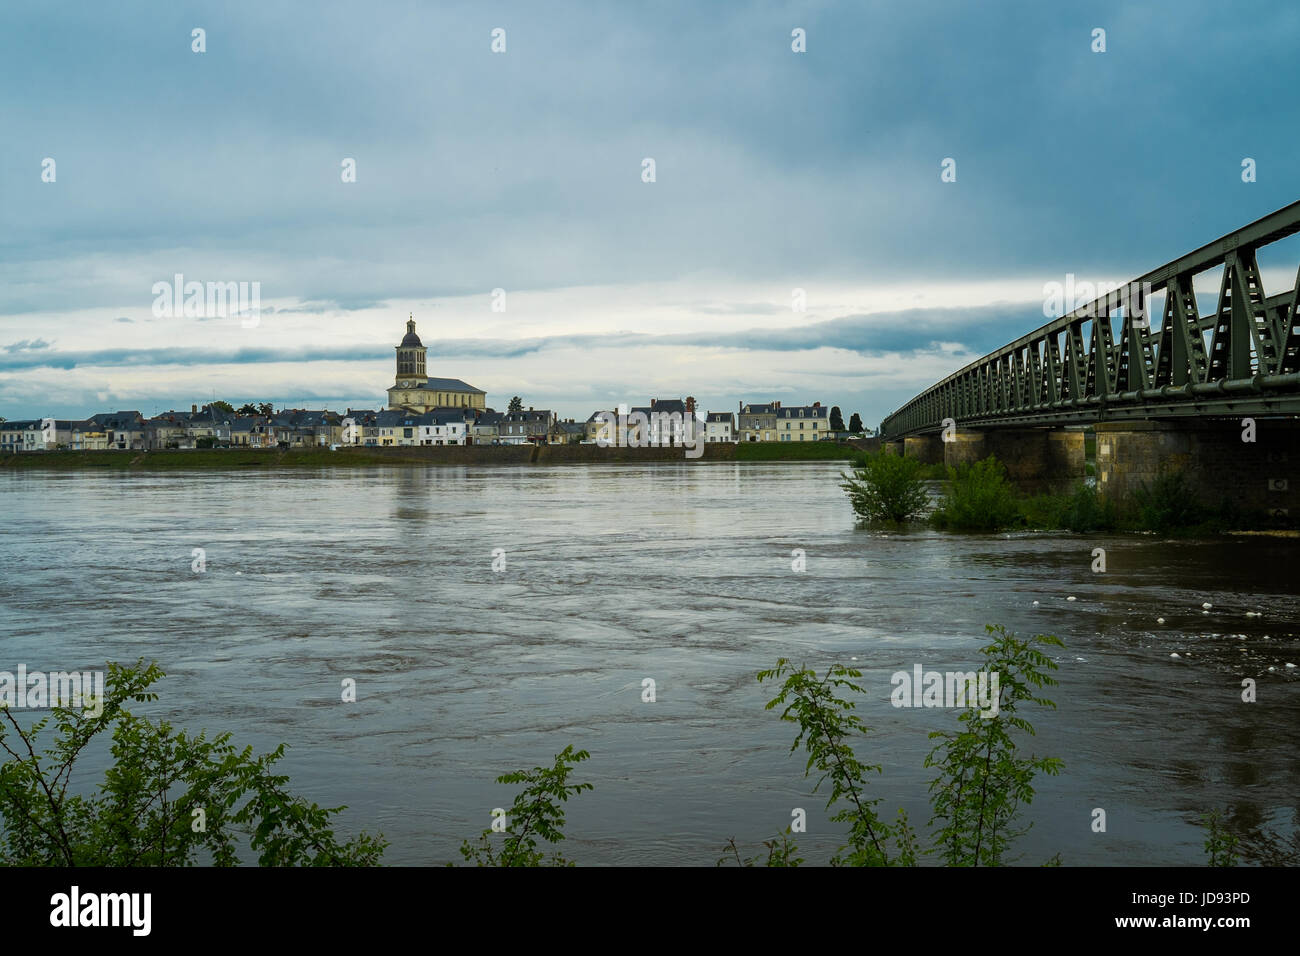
x=1060, y=375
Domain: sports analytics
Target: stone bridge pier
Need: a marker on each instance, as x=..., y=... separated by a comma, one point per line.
x=927, y=449
x=1250, y=463
x=1038, y=460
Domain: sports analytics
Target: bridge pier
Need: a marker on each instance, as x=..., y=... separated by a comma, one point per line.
x=1038, y=460
x=927, y=449
x=1217, y=460
x=892, y=447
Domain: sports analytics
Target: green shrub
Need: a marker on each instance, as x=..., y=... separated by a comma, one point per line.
x=978, y=498
x=169, y=798
x=1087, y=511
x=1168, y=503
x=886, y=487
x=1044, y=512
x=535, y=814
x=1082, y=510
x=983, y=779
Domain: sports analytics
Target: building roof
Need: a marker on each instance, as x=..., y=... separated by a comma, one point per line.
x=532, y=415
x=444, y=385
x=804, y=411
x=118, y=420
x=668, y=405
x=396, y=418
x=767, y=409
x=446, y=416
x=721, y=417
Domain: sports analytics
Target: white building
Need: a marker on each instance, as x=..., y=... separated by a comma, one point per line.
x=443, y=428
x=720, y=427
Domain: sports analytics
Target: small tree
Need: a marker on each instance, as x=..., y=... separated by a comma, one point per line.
x=222, y=406
x=248, y=408
x=855, y=424
x=265, y=408
x=535, y=813
x=886, y=488
x=826, y=725
x=170, y=798
x=516, y=405
x=837, y=419
x=983, y=782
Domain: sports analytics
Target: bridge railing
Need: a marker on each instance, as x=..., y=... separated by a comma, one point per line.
x=1074, y=370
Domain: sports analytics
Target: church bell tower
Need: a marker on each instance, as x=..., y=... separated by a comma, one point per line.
x=410, y=359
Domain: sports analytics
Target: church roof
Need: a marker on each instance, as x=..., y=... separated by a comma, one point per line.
x=444, y=385
x=410, y=340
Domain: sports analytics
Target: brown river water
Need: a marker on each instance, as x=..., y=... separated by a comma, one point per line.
x=678, y=572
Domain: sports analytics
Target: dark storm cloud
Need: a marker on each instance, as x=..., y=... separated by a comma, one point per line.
x=522, y=169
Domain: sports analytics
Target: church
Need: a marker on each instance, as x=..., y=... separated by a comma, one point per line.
x=414, y=391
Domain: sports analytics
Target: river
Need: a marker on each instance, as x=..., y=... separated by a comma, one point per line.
x=681, y=573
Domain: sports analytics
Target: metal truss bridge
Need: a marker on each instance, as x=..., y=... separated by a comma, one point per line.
x=1073, y=371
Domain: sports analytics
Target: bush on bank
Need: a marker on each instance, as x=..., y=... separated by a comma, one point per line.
x=978, y=497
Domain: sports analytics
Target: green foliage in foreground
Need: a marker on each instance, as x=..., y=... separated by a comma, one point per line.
x=169, y=799
x=982, y=784
x=886, y=488
x=536, y=814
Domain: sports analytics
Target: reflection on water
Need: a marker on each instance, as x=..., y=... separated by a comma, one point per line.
x=679, y=572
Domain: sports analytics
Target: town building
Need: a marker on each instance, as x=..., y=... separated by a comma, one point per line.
x=535, y=426
x=444, y=427
x=720, y=427
x=757, y=422
x=398, y=427
x=414, y=391
x=572, y=432
x=123, y=431
x=485, y=429
x=13, y=435
x=803, y=422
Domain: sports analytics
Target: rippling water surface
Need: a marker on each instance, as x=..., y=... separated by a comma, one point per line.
x=678, y=572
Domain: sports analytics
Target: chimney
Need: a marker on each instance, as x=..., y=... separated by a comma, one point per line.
x=817, y=404
x=776, y=404
x=194, y=409
x=690, y=405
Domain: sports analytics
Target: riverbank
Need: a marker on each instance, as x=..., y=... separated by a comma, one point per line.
x=210, y=459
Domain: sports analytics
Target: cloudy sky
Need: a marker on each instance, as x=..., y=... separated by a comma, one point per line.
x=523, y=171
